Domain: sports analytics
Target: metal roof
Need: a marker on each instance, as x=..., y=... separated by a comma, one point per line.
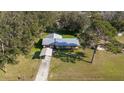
x=67, y=42
x=48, y=41
x=54, y=35
x=46, y=52
x=57, y=40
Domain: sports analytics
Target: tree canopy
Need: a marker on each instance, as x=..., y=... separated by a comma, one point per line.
x=18, y=30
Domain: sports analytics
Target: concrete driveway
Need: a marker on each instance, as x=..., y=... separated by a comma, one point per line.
x=43, y=69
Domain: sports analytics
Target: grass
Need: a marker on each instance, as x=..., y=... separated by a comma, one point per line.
x=68, y=36
x=33, y=50
x=106, y=66
x=26, y=69
x=120, y=38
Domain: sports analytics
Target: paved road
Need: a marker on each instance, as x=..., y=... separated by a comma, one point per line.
x=43, y=69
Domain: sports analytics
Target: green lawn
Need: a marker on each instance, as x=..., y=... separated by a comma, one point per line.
x=121, y=39
x=106, y=66
x=26, y=69
x=68, y=36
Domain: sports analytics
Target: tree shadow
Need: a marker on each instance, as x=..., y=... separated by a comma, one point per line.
x=86, y=61
x=80, y=55
x=69, y=56
x=36, y=55
x=63, y=31
x=38, y=44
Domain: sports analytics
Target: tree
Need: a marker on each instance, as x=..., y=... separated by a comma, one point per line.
x=98, y=30
x=117, y=21
x=72, y=22
x=18, y=31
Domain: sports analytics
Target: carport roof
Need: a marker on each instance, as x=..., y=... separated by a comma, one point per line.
x=46, y=52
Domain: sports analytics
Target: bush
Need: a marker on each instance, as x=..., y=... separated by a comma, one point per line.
x=114, y=47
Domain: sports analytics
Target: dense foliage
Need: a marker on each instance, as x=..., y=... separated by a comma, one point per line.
x=18, y=30
x=115, y=47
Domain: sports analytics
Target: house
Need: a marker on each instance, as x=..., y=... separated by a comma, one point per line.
x=55, y=40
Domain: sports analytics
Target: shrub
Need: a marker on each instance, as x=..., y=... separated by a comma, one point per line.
x=115, y=47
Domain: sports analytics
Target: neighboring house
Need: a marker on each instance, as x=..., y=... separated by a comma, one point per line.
x=55, y=40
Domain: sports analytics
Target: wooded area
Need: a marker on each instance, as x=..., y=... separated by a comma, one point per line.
x=18, y=30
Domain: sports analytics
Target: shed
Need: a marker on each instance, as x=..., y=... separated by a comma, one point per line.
x=67, y=42
x=46, y=52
